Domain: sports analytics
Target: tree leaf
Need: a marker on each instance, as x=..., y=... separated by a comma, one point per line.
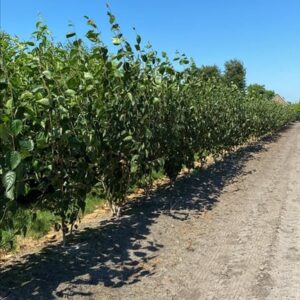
x=92, y=23
x=10, y=194
x=70, y=34
x=44, y=102
x=26, y=95
x=70, y=92
x=130, y=96
x=26, y=145
x=116, y=41
x=111, y=18
x=47, y=74
x=92, y=36
x=16, y=127
x=8, y=180
x=88, y=75
x=133, y=168
x=14, y=159
x=127, y=138
x=4, y=132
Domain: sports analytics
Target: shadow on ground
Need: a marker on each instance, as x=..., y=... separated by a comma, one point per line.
x=111, y=254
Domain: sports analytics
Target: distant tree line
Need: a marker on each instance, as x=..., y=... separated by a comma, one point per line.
x=234, y=73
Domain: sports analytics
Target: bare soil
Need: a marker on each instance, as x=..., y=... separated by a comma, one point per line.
x=231, y=231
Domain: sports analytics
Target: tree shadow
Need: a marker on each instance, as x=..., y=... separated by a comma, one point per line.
x=112, y=253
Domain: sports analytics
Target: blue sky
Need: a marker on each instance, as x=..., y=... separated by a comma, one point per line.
x=264, y=34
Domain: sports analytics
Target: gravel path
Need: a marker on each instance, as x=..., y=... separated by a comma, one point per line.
x=231, y=231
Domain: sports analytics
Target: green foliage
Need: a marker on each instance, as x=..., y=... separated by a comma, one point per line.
x=296, y=111
x=235, y=73
x=206, y=73
x=260, y=91
x=74, y=117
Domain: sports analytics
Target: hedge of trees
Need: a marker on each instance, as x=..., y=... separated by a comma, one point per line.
x=296, y=111
x=75, y=115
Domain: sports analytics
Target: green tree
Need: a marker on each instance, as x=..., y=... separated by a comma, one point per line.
x=235, y=73
x=260, y=90
x=209, y=72
x=296, y=110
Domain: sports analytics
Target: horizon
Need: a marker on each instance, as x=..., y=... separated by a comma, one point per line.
x=261, y=35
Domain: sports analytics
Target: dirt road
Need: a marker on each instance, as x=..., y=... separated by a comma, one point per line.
x=233, y=232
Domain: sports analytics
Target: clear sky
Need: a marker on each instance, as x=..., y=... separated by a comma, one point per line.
x=264, y=34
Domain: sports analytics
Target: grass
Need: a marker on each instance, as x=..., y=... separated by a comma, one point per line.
x=45, y=220
x=155, y=175
x=42, y=224
x=93, y=201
